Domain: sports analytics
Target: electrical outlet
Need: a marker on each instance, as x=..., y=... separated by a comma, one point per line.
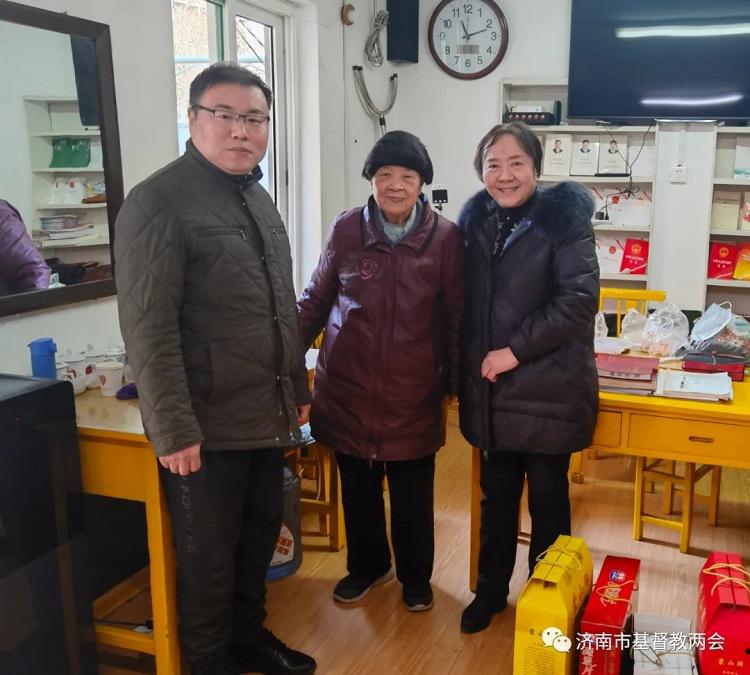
x=678, y=173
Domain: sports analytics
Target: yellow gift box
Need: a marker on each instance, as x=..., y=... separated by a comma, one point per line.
x=548, y=607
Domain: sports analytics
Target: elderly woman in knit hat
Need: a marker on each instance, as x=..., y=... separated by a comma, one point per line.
x=388, y=294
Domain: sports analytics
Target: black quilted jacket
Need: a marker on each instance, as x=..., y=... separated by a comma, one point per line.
x=207, y=310
x=539, y=297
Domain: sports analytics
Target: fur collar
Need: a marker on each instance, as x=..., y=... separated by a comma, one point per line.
x=560, y=210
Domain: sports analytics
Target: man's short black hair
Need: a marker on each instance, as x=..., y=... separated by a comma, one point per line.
x=226, y=72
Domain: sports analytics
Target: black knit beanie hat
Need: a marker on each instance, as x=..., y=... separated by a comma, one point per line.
x=399, y=148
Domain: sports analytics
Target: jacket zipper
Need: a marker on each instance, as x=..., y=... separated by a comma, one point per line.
x=215, y=232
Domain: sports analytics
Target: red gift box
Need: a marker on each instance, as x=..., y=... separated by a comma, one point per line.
x=724, y=616
x=607, y=615
x=721, y=259
x=635, y=256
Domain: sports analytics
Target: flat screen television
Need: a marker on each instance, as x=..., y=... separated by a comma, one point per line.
x=659, y=59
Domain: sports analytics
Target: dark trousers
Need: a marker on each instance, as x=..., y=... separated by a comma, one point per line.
x=502, y=475
x=411, y=488
x=226, y=520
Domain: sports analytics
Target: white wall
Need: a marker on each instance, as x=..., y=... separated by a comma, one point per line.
x=449, y=115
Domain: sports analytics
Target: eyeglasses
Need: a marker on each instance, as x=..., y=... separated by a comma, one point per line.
x=228, y=117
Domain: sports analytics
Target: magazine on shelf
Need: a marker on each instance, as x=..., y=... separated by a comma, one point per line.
x=584, y=157
x=635, y=257
x=725, y=210
x=557, y=154
x=722, y=257
x=609, y=252
x=742, y=158
x=642, y=160
x=613, y=153
x=745, y=212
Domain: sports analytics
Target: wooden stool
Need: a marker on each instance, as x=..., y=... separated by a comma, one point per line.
x=666, y=472
x=321, y=496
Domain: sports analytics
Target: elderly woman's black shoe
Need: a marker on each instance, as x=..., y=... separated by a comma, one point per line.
x=478, y=615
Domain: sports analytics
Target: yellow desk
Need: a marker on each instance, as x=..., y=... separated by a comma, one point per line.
x=118, y=461
x=652, y=426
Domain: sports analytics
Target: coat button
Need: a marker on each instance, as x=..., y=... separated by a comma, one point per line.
x=275, y=318
x=278, y=378
x=277, y=439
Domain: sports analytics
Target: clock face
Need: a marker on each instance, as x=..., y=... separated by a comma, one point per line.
x=468, y=38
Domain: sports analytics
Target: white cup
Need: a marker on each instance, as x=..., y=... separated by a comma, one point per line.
x=109, y=374
x=78, y=380
x=93, y=356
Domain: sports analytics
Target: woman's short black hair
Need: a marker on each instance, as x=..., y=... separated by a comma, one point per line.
x=226, y=72
x=521, y=132
x=399, y=148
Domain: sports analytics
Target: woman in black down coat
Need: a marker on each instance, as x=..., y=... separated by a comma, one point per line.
x=528, y=392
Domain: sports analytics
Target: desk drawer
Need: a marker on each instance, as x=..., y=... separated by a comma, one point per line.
x=708, y=442
x=607, y=430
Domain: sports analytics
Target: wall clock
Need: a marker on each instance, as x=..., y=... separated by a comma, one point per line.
x=468, y=38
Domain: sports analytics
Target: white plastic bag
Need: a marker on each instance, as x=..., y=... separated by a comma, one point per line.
x=666, y=331
x=632, y=325
x=719, y=331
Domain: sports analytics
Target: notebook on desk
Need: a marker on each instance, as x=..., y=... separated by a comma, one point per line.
x=694, y=386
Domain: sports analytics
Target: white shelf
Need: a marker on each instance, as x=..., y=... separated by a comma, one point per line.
x=89, y=240
x=69, y=169
x=732, y=181
x=730, y=233
x=733, y=130
x=613, y=276
x=595, y=179
x=67, y=134
x=592, y=128
x=76, y=207
x=600, y=226
x=728, y=283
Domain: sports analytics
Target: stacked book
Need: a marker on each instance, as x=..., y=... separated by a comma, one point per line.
x=627, y=374
x=65, y=226
x=694, y=386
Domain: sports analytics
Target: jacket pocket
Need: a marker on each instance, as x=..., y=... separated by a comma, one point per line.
x=217, y=231
x=233, y=370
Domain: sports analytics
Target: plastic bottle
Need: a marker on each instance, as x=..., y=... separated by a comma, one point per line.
x=43, y=358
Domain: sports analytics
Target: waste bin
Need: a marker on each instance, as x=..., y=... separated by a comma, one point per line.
x=287, y=556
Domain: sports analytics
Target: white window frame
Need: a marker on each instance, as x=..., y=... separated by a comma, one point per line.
x=280, y=16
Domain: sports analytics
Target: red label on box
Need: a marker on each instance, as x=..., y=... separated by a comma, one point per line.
x=724, y=616
x=607, y=612
x=721, y=259
x=635, y=256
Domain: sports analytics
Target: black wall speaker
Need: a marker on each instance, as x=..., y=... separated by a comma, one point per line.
x=87, y=81
x=403, y=30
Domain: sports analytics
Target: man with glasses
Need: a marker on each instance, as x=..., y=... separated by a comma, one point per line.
x=207, y=311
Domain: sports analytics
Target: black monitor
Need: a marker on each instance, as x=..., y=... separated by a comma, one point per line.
x=659, y=59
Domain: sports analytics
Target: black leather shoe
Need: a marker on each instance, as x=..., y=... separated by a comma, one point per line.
x=478, y=615
x=270, y=655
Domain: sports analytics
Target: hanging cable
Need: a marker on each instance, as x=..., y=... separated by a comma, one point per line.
x=373, y=50
x=367, y=103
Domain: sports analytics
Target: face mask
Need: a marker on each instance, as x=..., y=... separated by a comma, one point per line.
x=714, y=319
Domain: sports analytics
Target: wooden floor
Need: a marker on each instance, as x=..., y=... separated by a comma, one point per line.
x=378, y=636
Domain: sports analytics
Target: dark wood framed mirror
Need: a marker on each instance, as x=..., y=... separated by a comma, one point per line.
x=61, y=171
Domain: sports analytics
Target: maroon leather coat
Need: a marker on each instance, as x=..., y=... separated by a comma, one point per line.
x=392, y=317
x=22, y=267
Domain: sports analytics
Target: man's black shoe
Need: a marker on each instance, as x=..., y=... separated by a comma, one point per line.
x=270, y=655
x=418, y=598
x=478, y=615
x=351, y=589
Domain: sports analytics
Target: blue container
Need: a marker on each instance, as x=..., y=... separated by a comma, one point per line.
x=287, y=556
x=43, y=358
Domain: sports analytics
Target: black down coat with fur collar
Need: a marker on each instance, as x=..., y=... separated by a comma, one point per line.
x=538, y=296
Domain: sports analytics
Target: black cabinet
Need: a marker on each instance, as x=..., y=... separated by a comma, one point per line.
x=46, y=625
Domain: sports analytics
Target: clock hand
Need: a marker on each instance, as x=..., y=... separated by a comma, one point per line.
x=484, y=30
x=466, y=31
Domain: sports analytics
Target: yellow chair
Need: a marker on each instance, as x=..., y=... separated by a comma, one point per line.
x=667, y=472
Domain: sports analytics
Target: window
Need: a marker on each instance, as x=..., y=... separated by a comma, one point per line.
x=206, y=31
